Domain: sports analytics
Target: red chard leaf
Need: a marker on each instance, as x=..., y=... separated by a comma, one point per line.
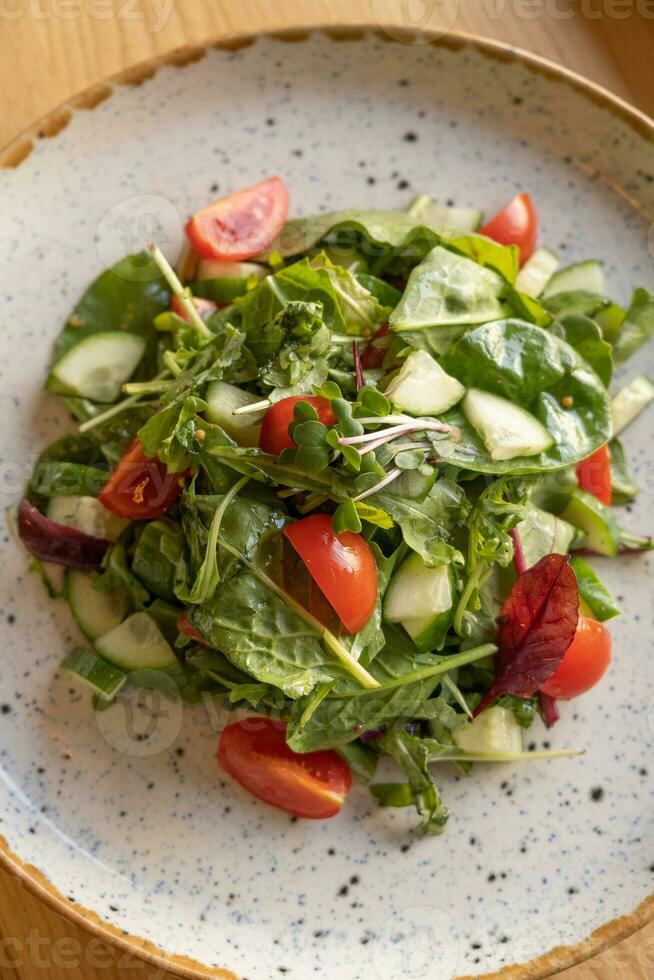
x=537, y=625
x=50, y=541
x=548, y=708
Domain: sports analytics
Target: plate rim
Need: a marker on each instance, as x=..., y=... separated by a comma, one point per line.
x=49, y=126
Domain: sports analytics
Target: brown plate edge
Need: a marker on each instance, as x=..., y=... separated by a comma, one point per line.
x=12, y=155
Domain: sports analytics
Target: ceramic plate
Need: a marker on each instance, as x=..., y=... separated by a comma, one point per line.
x=125, y=813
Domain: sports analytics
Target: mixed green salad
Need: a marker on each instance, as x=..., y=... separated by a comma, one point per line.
x=343, y=472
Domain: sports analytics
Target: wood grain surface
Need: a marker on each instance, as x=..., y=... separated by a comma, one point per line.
x=50, y=50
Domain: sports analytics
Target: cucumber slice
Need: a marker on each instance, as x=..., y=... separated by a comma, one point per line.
x=103, y=678
x=537, y=272
x=210, y=269
x=495, y=730
x=98, y=366
x=429, y=632
x=421, y=386
x=506, y=429
x=435, y=216
x=630, y=402
x=86, y=514
x=96, y=612
x=417, y=591
x=223, y=399
x=137, y=644
x=595, y=599
x=586, y=276
x=597, y=522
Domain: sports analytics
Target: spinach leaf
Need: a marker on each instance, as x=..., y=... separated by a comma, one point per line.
x=156, y=555
x=637, y=327
x=407, y=679
x=383, y=291
x=263, y=636
x=585, y=336
x=120, y=299
x=542, y=533
x=428, y=525
x=448, y=290
x=623, y=482
x=542, y=374
x=361, y=759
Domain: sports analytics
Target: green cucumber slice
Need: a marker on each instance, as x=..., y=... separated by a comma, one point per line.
x=586, y=276
x=86, y=514
x=421, y=386
x=223, y=399
x=423, y=209
x=137, y=644
x=103, y=678
x=507, y=429
x=596, y=521
x=495, y=730
x=593, y=592
x=96, y=612
x=537, y=272
x=630, y=402
x=98, y=366
x=416, y=590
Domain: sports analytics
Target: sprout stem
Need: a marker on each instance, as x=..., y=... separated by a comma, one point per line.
x=183, y=295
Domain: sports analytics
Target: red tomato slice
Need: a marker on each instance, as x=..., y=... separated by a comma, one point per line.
x=274, y=434
x=205, y=307
x=313, y=785
x=242, y=224
x=373, y=357
x=594, y=475
x=140, y=487
x=342, y=566
x=515, y=224
x=584, y=663
x=184, y=626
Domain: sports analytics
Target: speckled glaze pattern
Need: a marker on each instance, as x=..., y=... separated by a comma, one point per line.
x=154, y=839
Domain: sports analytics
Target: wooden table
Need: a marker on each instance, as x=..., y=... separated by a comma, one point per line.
x=51, y=50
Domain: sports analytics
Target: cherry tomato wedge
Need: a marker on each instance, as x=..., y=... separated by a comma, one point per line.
x=373, y=357
x=205, y=307
x=342, y=566
x=515, y=224
x=184, y=626
x=313, y=785
x=140, y=487
x=242, y=224
x=584, y=662
x=594, y=475
x=274, y=429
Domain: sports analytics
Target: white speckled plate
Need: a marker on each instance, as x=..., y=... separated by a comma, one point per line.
x=147, y=833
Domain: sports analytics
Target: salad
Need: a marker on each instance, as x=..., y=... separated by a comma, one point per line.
x=344, y=472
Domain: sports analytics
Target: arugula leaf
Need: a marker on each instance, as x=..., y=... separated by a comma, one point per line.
x=412, y=755
x=539, y=372
x=383, y=291
x=361, y=760
x=542, y=533
x=361, y=310
x=305, y=337
x=637, y=327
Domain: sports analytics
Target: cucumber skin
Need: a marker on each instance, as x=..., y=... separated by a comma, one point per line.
x=596, y=520
x=71, y=578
